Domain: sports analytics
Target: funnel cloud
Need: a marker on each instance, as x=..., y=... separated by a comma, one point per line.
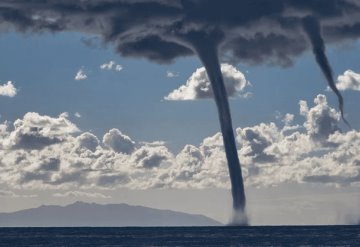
x=313, y=30
x=209, y=57
x=247, y=31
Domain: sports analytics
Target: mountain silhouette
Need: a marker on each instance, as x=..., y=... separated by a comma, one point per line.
x=97, y=215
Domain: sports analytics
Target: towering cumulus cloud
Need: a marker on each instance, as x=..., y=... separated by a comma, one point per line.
x=248, y=31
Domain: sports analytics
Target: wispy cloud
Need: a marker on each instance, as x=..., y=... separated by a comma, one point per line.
x=11, y=194
x=81, y=194
x=172, y=74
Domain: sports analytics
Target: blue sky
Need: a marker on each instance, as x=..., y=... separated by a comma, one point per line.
x=43, y=67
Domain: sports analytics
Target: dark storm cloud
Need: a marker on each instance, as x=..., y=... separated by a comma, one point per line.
x=255, y=31
x=312, y=28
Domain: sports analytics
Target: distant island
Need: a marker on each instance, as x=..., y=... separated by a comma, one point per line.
x=97, y=215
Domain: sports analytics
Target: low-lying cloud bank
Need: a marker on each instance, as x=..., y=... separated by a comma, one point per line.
x=51, y=152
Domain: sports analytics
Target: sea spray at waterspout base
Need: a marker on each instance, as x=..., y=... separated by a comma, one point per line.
x=209, y=57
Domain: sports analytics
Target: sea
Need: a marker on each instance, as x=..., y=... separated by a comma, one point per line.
x=182, y=236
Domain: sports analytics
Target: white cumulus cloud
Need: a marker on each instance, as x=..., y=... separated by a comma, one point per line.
x=87, y=141
x=350, y=80
x=111, y=65
x=35, y=131
x=118, y=141
x=50, y=152
x=80, y=75
x=321, y=120
x=198, y=85
x=8, y=89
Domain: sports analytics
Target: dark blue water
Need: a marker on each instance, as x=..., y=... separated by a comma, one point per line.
x=183, y=236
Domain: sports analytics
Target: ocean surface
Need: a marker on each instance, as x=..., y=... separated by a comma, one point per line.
x=183, y=236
